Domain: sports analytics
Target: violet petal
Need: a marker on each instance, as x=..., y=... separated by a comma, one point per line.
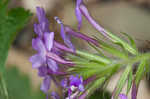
x=52, y=65
x=81, y=87
x=42, y=71
x=49, y=37
x=66, y=38
x=40, y=14
x=123, y=96
x=58, y=59
x=37, y=60
x=79, y=17
x=134, y=91
x=38, y=45
x=78, y=13
x=45, y=86
x=64, y=83
x=63, y=34
x=54, y=95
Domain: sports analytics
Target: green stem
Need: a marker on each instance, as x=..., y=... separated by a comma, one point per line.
x=93, y=57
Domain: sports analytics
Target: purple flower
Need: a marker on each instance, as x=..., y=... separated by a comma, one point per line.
x=123, y=96
x=78, y=13
x=45, y=86
x=43, y=48
x=43, y=25
x=54, y=95
x=38, y=59
x=47, y=57
x=76, y=82
x=64, y=83
x=42, y=71
x=134, y=91
x=82, y=10
x=80, y=35
x=73, y=84
x=64, y=36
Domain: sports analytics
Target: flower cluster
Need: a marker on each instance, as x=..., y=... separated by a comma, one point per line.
x=49, y=56
x=73, y=84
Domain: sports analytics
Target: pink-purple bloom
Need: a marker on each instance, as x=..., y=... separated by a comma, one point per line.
x=78, y=13
x=54, y=95
x=50, y=62
x=134, y=91
x=47, y=58
x=82, y=10
x=45, y=86
x=43, y=25
x=64, y=36
x=73, y=84
x=76, y=81
x=123, y=96
x=42, y=47
x=43, y=44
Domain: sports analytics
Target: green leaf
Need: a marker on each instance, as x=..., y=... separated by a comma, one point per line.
x=122, y=80
x=130, y=78
x=140, y=71
x=97, y=49
x=116, y=39
x=96, y=84
x=3, y=88
x=108, y=70
x=11, y=22
x=100, y=94
x=108, y=48
x=132, y=42
x=93, y=57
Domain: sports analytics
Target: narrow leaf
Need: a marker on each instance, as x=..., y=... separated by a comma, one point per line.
x=96, y=84
x=122, y=80
x=93, y=57
x=116, y=39
x=109, y=48
x=140, y=72
x=132, y=42
x=130, y=78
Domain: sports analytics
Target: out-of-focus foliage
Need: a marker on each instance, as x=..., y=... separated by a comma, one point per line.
x=19, y=86
x=98, y=94
x=11, y=21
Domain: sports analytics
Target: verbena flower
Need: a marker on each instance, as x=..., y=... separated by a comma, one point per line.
x=49, y=56
x=73, y=84
x=54, y=95
x=42, y=48
x=78, y=13
x=123, y=96
x=82, y=10
x=65, y=37
x=45, y=86
x=67, y=31
x=76, y=82
x=134, y=91
x=43, y=25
